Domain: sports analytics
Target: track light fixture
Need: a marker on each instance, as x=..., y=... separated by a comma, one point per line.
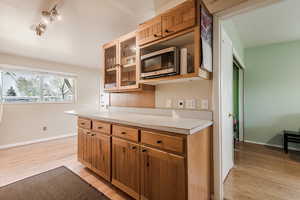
x=47, y=17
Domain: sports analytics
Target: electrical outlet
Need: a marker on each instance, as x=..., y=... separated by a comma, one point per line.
x=204, y=104
x=180, y=104
x=169, y=103
x=190, y=104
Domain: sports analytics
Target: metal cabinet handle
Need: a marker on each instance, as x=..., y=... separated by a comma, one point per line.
x=134, y=147
x=159, y=142
x=99, y=127
x=144, y=150
x=123, y=133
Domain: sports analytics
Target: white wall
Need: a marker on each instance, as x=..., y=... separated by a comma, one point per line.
x=197, y=90
x=24, y=122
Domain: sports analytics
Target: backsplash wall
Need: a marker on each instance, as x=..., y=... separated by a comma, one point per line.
x=198, y=90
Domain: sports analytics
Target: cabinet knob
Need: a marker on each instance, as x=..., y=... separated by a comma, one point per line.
x=82, y=123
x=167, y=31
x=88, y=133
x=93, y=134
x=123, y=133
x=144, y=150
x=134, y=147
x=100, y=127
x=159, y=142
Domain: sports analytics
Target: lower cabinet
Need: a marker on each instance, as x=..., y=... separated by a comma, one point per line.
x=162, y=175
x=101, y=154
x=94, y=151
x=84, y=147
x=126, y=166
x=148, y=165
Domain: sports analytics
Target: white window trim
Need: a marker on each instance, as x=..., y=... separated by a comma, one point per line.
x=14, y=68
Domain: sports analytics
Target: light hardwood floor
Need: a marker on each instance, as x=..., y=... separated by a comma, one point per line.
x=21, y=162
x=263, y=173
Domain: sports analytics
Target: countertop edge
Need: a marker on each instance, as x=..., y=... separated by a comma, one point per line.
x=159, y=128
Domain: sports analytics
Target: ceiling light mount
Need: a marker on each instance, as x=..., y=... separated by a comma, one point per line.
x=48, y=16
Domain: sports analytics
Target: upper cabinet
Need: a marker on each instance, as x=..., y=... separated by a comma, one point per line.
x=121, y=64
x=129, y=61
x=179, y=18
x=149, y=31
x=111, y=69
x=215, y=6
x=174, y=20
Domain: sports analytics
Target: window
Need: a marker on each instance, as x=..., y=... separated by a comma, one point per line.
x=36, y=87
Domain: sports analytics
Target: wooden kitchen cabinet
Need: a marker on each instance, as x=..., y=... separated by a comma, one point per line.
x=129, y=61
x=162, y=175
x=150, y=31
x=111, y=65
x=122, y=64
x=84, y=146
x=148, y=164
x=94, y=148
x=179, y=18
x=100, y=154
x=126, y=166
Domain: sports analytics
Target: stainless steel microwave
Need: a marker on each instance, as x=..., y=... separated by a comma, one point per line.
x=160, y=63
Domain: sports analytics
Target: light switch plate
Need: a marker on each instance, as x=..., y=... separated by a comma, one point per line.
x=190, y=104
x=180, y=103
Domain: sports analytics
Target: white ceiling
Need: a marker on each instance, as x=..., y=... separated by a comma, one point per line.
x=276, y=23
x=77, y=39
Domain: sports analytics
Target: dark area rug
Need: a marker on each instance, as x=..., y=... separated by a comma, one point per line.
x=57, y=184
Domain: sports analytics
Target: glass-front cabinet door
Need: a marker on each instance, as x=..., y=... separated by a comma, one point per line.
x=129, y=61
x=111, y=68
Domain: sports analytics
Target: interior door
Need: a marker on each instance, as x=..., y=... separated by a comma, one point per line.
x=227, y=103
x=101, y=154
x=126, y=166
x=162, y=175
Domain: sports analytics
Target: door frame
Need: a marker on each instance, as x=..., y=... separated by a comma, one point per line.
x=217, y=97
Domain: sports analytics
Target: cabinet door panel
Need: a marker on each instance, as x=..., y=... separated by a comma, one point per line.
x=162, y=175
x=101, y=154
x=125, y=166
x=179, y=18
x=87, y=147
x=80, y=149
x=149, y=31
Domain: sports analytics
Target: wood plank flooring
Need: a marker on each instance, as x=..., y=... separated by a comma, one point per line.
x=264, y=173
x=21, y=162
x=260, y=173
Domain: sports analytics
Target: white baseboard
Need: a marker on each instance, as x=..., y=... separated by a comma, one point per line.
x=272, y=145
x=36, y=141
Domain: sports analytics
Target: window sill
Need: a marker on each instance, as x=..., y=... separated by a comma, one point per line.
x=31, y=103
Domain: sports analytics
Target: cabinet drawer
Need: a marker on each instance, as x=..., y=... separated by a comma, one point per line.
x=84, y=123
x=126, y=133
x=101, y=127
x=171, y=143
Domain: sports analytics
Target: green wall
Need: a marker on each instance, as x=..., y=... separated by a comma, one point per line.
x=272, y=91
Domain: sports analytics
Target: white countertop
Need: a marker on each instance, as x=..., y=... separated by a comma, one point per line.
x=156, y=122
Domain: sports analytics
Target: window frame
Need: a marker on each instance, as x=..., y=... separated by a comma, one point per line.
x=41, y=73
